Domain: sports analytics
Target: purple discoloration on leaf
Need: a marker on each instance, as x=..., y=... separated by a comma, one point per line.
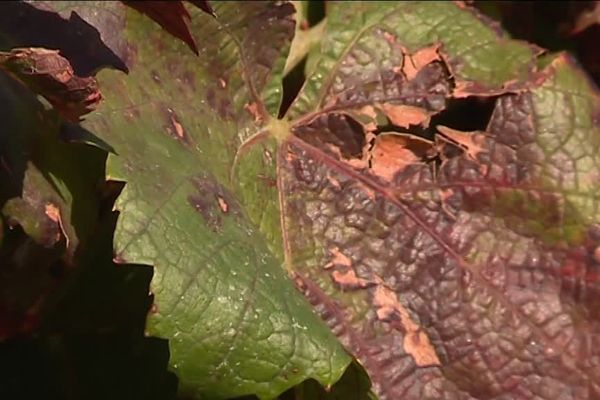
x=212, y=201
x=470, y=270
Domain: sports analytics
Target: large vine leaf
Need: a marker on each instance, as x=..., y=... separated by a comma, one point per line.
x=466, y=266
x=463, y=267
x=235, y=323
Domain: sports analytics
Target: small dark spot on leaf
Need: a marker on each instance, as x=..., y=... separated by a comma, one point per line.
x=174, y=127
x=212, y=200
x=155, y=77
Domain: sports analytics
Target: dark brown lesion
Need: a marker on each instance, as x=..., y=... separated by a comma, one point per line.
x=174, y=127
x=213, y=201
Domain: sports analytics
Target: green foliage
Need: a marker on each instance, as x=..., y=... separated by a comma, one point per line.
x=176, y=221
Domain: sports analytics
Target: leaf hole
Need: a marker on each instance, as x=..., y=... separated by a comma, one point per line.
x=292, y=83
x=315, y=12
x=468, y=114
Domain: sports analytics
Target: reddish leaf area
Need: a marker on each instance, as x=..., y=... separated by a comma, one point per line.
x=466, y=279
x=172, y=16
x=49, y=74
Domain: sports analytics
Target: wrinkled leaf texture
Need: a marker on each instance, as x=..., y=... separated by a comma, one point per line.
x=465, y=266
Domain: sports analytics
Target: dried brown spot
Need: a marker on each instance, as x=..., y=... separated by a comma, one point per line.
x=404, y=116
x=338, y=258
x=207, y=210
x=268, y=156
x=389, y=37
x=53, y=213
x=175, y=128
x=414, y=63
x=394, y=152
x=369, y=111
x=223, y=204
x=211, y=201
x=348, y=280
x=416, y=342
x=465, y=140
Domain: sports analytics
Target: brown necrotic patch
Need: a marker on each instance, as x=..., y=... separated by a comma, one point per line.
x=393, y=152
x=212, y=201
x=174, y=127
x=334, y=130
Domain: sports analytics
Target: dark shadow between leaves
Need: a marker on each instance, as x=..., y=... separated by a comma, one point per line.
x=91, y=342
x=292, y=83
x=75, y=133
x=547, y=24
x=23, y=25
x=353, y=385
x=468, y=114
x=315, y=12
x=112, y=366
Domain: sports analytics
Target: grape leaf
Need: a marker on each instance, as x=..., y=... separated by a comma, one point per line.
x=455, y=266
x=462, y=267
x=235, y=323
